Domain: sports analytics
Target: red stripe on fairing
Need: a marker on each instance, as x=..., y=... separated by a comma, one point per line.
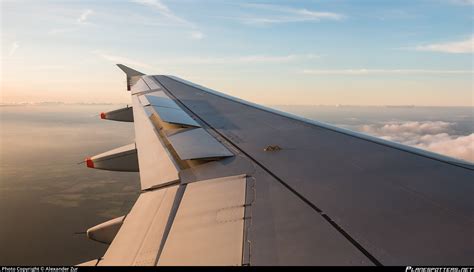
x=89, y=162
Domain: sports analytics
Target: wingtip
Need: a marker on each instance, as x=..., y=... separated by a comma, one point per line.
x=129, y=71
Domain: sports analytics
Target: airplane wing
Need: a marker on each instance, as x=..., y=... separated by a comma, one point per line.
x=228, y=182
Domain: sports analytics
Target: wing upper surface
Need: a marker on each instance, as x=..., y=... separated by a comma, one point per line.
x=388, y=201
x=231, y=183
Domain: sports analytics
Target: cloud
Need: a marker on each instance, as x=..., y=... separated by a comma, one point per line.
x=81, y=20
x=171, y=17
x=402, y=131
x=197, y=35
x=457, y=47
x=265, y=59
x=362, y=71
x=155, y=4
x=120, y=59
x=49, y=67
x=435, y=136
x=84, y=16
x=13, y=48
x=461, y=147
x=284, y=14
x=247, y=59
x=315, y=15
x=55, y=31
x=165, y=11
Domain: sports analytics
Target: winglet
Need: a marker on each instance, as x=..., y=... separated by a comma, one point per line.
x=132, y=75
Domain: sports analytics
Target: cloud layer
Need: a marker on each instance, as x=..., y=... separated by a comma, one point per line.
x=164, y=11
x=84, y=16
x=435, y=136
x=284, y=14
x=171, y=17
x=456, y=47
x=363, y=71
x=13, y=48
x=121, y=59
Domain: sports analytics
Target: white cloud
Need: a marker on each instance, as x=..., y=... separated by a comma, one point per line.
x=316, y=15
x=197, y=35
x=157, y=4
x=123, y=60
x=171, y=17
x=430, y=135
x=466, y=46
x=247, y=59
x=284, y=14
x=461, y=147
x=198, y=60
x=164, y=11
x=44, y=67
x=81, y=20
x=403, y=131
x=13, y=48
x=55, y=31
x=49, y=67
x=362, y=71
x=84, y=16
x=265, y=59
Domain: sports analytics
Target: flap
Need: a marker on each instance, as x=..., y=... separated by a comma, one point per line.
x=138, y=240
x=208, y=227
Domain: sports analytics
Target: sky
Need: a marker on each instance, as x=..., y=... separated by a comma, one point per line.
x=316, y=52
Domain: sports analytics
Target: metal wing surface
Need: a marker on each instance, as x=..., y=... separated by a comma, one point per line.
x=228, y=182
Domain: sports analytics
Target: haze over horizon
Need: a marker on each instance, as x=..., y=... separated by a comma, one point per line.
x=289, y=52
